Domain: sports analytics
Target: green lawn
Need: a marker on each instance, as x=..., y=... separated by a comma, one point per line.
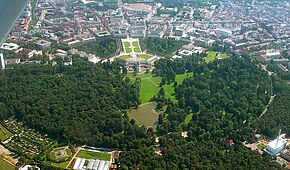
x=145, y=56
x=124, y=57
x=60, y=165
x=5, y=166
x=137, y=50
x=4, y=133
x=223, y=56
x=93, y=155
x=188, y=118
x=148, y=90
x=128, y=50
x=180, y=77
x=150, y=86
x=212, y=53
x=127, y=44
x=135, y=44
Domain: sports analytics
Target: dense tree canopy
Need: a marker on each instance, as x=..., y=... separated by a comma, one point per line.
x=161, y=47
x=106, y=48
x=86, y=104
x=83, y=103
x=224, y=97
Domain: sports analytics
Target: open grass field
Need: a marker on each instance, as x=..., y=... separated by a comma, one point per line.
x=124, y=57
x=93, y=155
x=5, y=166
x=145, y=56
x=150, y=86
x=4, y=133
x=128, y=50
x=148, y=90
x=60, y=154
x=127, y=44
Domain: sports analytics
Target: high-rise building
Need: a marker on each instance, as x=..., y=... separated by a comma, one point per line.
x=2, y=62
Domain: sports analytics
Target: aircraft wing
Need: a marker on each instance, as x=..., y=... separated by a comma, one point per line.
x=10, y=10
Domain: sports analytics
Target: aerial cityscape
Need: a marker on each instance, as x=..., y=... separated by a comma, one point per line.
x=144, y=84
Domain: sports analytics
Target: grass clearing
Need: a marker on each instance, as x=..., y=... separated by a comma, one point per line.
x=150, y=86
x=93, y=155
x=5, y=165
x=145, y=56
x=148, y=90
x=188, y=118
x=4, y=133
x=124, y=57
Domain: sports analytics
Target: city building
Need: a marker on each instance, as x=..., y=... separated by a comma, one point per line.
x=277, y=145
x=42, y=44
x=9, y=46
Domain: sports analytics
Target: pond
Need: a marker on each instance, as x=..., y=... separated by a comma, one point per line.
x=145, y=115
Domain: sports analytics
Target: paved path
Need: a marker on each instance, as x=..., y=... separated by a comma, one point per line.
x=73, y=157
x=270, y=101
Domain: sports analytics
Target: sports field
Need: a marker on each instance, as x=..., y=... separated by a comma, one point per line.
x=4, y=133
x=5, y=166
x=93, y=155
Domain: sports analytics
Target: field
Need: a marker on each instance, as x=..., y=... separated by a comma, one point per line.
x=4, y=133
x=145, y=115
x=137, y=50
x=93, y=155
x=135, y=44
x=212, y=55
x=150, y=86
x=128, y=50
x=60, y=154
x=124, y=57
x=60, y=165
x=145, y=56
x=127, y=44
x=5, y=166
